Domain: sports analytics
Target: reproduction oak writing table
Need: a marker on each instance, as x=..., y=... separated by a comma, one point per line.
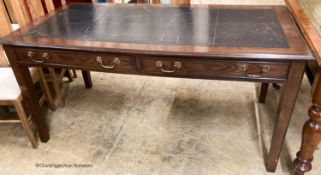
x=247, y=43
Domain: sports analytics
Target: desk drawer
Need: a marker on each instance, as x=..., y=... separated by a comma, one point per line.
x=85, y=60
x=217, y=68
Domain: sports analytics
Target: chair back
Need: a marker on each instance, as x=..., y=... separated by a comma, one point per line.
x=5, y=28
x=36, y=9
x=12, y=12
x=20, y=12
x=179, y=2
x=123, y=1
x=98, y=1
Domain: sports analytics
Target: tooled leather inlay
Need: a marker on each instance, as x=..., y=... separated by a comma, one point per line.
x=198, y=26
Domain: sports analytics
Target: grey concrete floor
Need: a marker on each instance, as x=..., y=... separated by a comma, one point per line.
x=138, y=125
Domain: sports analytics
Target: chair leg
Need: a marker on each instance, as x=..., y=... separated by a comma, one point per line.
x=56, y=86
x=44, y=85
x=74, y=73
x=25, y=123
x=68, y=74
x=276, y=86
x=263, y=92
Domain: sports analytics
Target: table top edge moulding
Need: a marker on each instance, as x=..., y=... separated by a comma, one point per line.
x=297, y=49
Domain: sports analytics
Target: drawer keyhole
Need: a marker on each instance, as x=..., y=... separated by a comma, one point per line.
x=265, y=69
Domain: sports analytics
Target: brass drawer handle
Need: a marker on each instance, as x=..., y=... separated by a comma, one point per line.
x=245, y=68
x=253, y=75
x=264, y=69
x=116, y=62
x=44, y=57
x=177, y=65
x=30, y=54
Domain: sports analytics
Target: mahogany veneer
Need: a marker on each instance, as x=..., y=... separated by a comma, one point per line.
x=245, y=43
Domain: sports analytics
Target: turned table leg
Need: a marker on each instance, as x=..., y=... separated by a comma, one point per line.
x=286, y=105
x=87, y=79
x=311, y=135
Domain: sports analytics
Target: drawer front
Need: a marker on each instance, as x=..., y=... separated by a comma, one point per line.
x=217, y=68
x=96, y=61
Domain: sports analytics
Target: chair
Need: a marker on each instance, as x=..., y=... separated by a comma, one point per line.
x=10, y=93
x=35, y=9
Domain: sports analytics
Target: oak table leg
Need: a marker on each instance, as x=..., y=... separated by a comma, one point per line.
x=87, y=79
x=311, y=135
x=286, y=105
x=24, y=80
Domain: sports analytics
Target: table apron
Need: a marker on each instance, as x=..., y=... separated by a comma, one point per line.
x=184, y=67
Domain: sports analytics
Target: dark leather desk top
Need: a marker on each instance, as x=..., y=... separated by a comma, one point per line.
x=181, y=26
x=208, y=30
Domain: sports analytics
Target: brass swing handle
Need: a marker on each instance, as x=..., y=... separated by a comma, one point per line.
x=177, y=65
x=44, y=57
x=116, y=62
x=264, y=69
